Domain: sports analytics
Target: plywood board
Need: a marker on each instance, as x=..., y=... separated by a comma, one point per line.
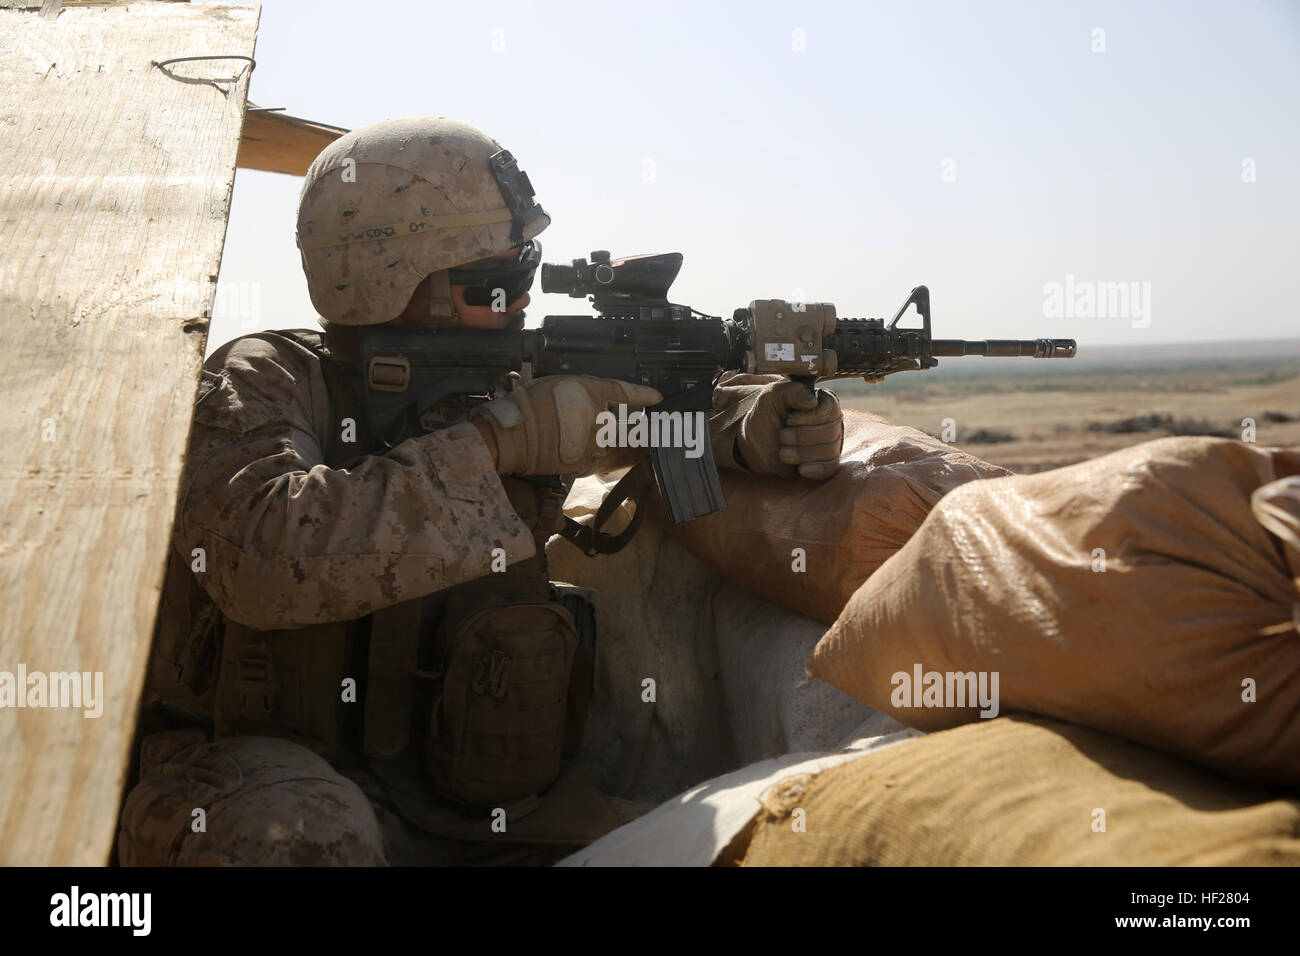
x=59, y=4
x=279, y=143
x=115, y=181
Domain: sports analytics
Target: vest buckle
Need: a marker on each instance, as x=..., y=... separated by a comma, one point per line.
x=256, y=681
x=389, y=373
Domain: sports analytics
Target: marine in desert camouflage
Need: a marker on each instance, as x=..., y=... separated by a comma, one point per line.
x=360, y=657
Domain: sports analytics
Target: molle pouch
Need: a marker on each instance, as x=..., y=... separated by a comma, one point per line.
x=497, y=717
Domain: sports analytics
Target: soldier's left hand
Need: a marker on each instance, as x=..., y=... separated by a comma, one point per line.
x=791, y=429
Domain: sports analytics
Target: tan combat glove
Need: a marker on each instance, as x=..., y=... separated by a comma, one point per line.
x=778, y=428
x=548, y=427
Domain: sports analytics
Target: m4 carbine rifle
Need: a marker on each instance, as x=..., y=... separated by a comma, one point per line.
x=639, y=336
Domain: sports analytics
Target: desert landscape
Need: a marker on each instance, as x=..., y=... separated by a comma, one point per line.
x=1031, y=416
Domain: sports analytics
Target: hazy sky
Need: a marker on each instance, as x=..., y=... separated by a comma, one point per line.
x=848, y=151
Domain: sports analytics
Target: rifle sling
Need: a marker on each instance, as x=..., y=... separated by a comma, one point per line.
x=589, y=538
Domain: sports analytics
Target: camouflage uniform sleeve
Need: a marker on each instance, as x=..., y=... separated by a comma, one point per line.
x=290, y=542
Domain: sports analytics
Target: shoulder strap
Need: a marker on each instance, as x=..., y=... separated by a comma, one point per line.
x=589, y=538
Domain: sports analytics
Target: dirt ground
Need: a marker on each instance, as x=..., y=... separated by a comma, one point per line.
x=1048, y=427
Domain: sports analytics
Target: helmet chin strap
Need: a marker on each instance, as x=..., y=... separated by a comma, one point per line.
x=442, y=307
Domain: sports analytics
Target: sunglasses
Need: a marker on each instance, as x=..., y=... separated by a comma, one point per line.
x=486, y=286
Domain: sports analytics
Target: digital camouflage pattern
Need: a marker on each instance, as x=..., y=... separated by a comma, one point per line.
x=244, y=801
x=289, y=541
x=299, y=528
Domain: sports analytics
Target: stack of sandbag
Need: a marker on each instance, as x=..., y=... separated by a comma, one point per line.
x=1137, y=593
x=1017, y=791
x=844, y=528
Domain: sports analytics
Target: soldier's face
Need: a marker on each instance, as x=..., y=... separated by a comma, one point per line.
x=485, y=317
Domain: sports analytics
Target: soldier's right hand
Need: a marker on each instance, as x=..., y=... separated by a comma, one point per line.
x=548, y=427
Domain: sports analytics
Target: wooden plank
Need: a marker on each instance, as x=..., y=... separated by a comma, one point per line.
x=38, y=4
x=115, y=183
x=279, y=143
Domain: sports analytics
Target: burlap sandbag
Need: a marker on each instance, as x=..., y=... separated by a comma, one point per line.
x=1135, y=593
x=847, y=526
x=1022, y=791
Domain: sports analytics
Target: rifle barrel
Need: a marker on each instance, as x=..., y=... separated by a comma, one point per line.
x=1033, y=348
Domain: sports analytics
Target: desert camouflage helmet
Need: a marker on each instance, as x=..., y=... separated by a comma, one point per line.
x=388, y=204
